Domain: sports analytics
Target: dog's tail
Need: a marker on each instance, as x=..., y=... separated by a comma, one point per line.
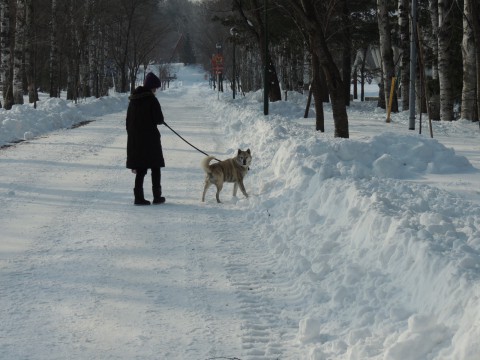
x=206, y=162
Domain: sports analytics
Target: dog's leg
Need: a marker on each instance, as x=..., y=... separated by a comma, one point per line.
x=242, y=188
x=205, y=188
x=219, y=188
x=235, y=188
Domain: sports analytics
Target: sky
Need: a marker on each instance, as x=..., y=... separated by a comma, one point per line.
x=360, y=248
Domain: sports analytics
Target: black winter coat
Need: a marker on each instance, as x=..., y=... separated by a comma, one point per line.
x=144, y=148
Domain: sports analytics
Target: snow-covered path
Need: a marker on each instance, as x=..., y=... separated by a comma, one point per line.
x=366, y=248
x=89, y=276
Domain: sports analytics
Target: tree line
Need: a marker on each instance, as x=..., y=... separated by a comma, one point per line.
x=325, y=45
x=85, y=47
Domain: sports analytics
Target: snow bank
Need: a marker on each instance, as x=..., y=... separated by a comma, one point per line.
x=23, y=122
x=378, y=259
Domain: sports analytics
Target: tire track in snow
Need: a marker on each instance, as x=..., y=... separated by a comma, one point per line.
x=205, y=283
x=116, y=281
x=259, y=289
x=258, y=302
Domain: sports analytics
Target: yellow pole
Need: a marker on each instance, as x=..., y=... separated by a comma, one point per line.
x=392, y=88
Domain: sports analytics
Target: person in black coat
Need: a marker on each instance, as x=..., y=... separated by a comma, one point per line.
x=144, y=148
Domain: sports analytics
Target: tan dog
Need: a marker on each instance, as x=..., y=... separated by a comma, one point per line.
x=230, y=170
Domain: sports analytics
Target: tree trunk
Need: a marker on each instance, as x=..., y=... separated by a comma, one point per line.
x=18, y=52
x=104, y=79
x=335, y=85
x=90, y=26
x=469, y=66
x=6, y=66
x=274, y=93
x=317, y=94
x=475, y=6
x=381, y=96
x=323, y=85
x=355, y=83
x=403, y=24
x=433, y=9
x=420, y=100
x=362, y=74
x=54, y=52
x=306, y=11
x=388, y=64
x=444, y=59
x=29, y=52
x=347, y=51
x=257, y=10
x=72, y=74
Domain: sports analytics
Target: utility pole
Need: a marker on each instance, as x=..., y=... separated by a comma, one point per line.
x=413, y=65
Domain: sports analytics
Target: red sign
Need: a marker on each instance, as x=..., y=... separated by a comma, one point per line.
x=217, y=59
x=217, y=63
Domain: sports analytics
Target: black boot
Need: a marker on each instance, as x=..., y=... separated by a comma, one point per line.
x=157, y=196
x=139, y=198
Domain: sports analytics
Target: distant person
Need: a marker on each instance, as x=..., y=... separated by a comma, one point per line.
x=144, y=148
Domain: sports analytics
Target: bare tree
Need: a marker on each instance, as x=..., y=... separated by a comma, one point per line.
x=317, y=91
x=403, y=25
x=252, y=13
x=72, y=51
x=346, y=40
x=29, y=51
x=18, y=51
x=92, y=55
x=433, y=10
x=146, y=35
x=54, y=61
x=445, y=58
x=469, y=65
x=103, y=66
x=475, y=12
x=314, y=16
x=6, y=66
x=388, y=63
x=125, y=17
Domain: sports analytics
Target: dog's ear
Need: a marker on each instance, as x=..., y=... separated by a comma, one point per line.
x=248, y=151
x=239, y=151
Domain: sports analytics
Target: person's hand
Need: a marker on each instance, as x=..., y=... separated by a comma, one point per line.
x=134, y=171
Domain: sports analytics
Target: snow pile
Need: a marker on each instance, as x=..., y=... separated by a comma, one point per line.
x=385, y=267
x=23, y=122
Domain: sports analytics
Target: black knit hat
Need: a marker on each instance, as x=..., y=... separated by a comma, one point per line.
x=151, y=81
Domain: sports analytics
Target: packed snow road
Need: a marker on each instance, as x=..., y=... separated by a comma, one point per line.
x=367, y=248
x=87, y=275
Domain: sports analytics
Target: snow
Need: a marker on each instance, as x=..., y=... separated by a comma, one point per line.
x=360, y=248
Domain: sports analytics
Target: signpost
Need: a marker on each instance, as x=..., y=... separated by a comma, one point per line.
x=217, y=63
x=217, y=66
